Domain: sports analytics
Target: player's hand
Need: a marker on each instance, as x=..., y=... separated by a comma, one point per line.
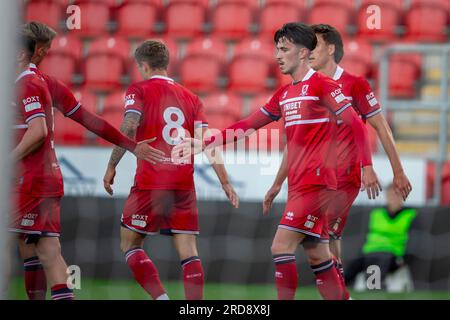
x=231, y=194
x=145, y=152
x=270, y=195
x=402, y=186
x=186, y=148
x=108, y=179
x=370, y=182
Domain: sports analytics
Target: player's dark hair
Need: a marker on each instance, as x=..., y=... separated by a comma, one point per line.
x=41, y=32
x=154, y=52
x=331, y=36
x=27, y=43
x=297, y=33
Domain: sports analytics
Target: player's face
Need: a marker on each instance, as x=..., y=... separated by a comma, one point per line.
x=321, y=55
x=41, y=52
x=288, y=56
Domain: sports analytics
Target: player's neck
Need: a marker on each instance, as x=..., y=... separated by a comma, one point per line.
x=153, y=73
x=329, y=69
x=301, y=72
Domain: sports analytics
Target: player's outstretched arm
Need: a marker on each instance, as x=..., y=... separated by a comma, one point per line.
x=32, y=139
x=215, y=159
x=237, y=131
x=401, y=182
x=104, y=129
x=360, y=134
x=276, y=186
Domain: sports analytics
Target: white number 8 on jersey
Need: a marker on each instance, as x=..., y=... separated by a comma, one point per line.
x=170, y=124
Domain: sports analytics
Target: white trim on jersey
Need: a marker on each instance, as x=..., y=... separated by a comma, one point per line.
x=37, y=115
x=338, y=73
x=162, y=78
x=184, y=231
x=133, y=110
x=71, y=112
x=23, y=74
x=32, y=66
x=292, y=123
x=372, y=113
x=293, y=117
x=20, y=126
x=282, y=226
x=315, y=98
x=309, y=74
x=24, y=231
x=343, y=109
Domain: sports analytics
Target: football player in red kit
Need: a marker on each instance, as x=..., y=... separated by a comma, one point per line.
x=325, y=58
x=308, y=107
x=162, y=198
x=63, y=99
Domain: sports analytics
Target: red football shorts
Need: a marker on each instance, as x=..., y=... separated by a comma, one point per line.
x=167, y=211
x=339, y=208
x=36, y=217
x=305, y=212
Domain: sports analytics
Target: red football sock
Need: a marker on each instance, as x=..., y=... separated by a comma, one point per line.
x=327, y=281
x=62, y=292
x=35, y=280
x=286, y=277
x=144, y=272
x=340, y=271
x=193, y=278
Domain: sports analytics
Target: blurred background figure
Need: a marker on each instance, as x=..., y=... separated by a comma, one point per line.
x=386, y=243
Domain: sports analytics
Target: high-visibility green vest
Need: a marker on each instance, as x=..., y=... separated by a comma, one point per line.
x=388, y=234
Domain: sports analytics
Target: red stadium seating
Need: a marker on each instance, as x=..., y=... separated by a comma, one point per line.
x=63, y=57
x=177, y=23
x=336, y=15
x=114, y=102
x=427, y=21
x=276, y=13
x=105, y=63
x=390, y=19
x=203, y=3
x=349, y=4
x=68, y=132
x=95, y=16
x=222, y=109
x=88, y=100
x=236, y=27
x=251, y=66
x=203, y=64
x=136, y=18
x=357, y=57
x=45, y=11
x=404, y=71
x=445, y=180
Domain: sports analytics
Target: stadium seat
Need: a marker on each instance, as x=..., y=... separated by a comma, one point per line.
x=88, y=100
x=357, y=57
x=237, y=27
x=115, y=118
x=222, y=109
x=178, y=26
x=68, y=132
x=173, y=61
x=203, y=63
x=445, y=176
x=95, y=18
x=105, y=63
x=63, y=57
x=391, y=11
x=338, y=16
x=276, y=13
x=45, y=11
x=251, y=66
x=349, y=4
x=427, y=21
x=136, y=18
x=115, y=101
x=404, y=71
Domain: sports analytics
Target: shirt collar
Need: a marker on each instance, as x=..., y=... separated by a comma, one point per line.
x=307, y=76
x=23, y=74
x=338, y=73
x=162, y=77
x=32, y=66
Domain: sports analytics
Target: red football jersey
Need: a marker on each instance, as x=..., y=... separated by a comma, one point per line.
x=38, y=174
x=308, y=108
x=358, y=91
x=62, y=98
x=168, y=112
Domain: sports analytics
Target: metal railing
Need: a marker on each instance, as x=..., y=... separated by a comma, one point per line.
x=442, y=105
